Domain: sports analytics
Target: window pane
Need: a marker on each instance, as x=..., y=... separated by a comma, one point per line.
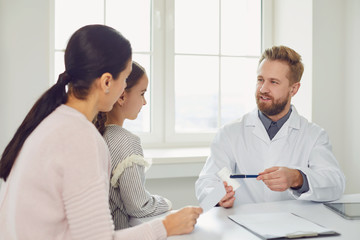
x=142, y=122
x=133, y=20
x=241, y=27
x=238, y=82
x=196, y=93
x=197, y=26
x=71, y=15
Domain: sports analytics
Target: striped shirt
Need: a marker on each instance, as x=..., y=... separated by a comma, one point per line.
x=128, y=196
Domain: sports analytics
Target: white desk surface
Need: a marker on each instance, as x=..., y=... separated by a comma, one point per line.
x=215, y=224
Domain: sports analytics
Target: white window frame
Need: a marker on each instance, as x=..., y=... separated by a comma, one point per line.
x=162, y=128
x=171, y=138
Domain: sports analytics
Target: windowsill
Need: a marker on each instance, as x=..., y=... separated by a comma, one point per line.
x=175, y=162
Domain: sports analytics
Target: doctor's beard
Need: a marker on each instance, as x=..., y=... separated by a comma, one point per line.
x=275, y=107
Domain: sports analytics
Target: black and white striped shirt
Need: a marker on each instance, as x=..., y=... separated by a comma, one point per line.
x=128, y=196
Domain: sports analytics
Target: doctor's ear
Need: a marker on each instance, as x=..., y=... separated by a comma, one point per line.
x=294, y=88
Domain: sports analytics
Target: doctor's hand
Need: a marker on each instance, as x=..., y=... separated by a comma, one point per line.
x=281, y=178
x=228, y=200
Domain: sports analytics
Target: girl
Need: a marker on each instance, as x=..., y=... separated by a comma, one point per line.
x=128, y=196
x=56, y=167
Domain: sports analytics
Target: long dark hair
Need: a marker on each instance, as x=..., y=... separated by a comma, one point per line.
x=136, y=73
x=91, y=51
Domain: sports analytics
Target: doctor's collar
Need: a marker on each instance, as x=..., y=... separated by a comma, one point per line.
x=267, y=121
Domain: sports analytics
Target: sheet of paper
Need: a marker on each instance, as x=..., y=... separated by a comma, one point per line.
x=224, y=175
x=213, y=197
x=281, y=224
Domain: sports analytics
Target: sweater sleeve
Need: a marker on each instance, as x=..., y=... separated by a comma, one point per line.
x=137, y=200
x=89, y=218
x=88, y=213
x=153, y=230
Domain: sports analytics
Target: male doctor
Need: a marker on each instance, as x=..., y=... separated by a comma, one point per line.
x=292, y=156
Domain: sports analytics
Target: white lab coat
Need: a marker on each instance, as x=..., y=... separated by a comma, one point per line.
x=245, y=147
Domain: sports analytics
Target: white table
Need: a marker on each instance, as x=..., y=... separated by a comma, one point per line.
x=215, y=224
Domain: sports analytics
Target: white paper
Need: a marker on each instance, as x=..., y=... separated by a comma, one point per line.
x=213, y=197
x=281, y=224
x=224, y=174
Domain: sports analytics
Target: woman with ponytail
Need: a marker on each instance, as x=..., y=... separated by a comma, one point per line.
x=56, y=166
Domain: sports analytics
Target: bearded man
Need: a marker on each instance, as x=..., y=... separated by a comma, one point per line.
x=292, y=157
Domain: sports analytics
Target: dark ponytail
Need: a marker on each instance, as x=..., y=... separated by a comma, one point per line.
x=136, y=73
x=50, y=100
x=100, y=121
x=91, y=51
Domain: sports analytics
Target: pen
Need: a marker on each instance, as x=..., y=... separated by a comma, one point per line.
x=243, y=176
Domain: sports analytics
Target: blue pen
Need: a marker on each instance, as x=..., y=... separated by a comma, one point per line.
x=243, y=176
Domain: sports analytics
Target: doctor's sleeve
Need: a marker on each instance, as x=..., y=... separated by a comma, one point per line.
x=326, y=180
x=220, y=156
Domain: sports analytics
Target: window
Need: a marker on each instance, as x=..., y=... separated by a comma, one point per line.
x=200, y=55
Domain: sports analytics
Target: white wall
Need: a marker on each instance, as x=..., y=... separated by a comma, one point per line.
x=181, y=191
x=328, y=72
x=351, y=117
x=336, y=60
x=292, y=27
x=24, y=60
x=318, y=29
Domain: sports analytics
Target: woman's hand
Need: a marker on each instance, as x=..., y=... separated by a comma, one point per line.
x=182, y=221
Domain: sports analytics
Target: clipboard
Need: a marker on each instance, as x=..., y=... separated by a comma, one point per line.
x=280, y=225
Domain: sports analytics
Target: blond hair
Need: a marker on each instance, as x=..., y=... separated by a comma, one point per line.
x=287, y=55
